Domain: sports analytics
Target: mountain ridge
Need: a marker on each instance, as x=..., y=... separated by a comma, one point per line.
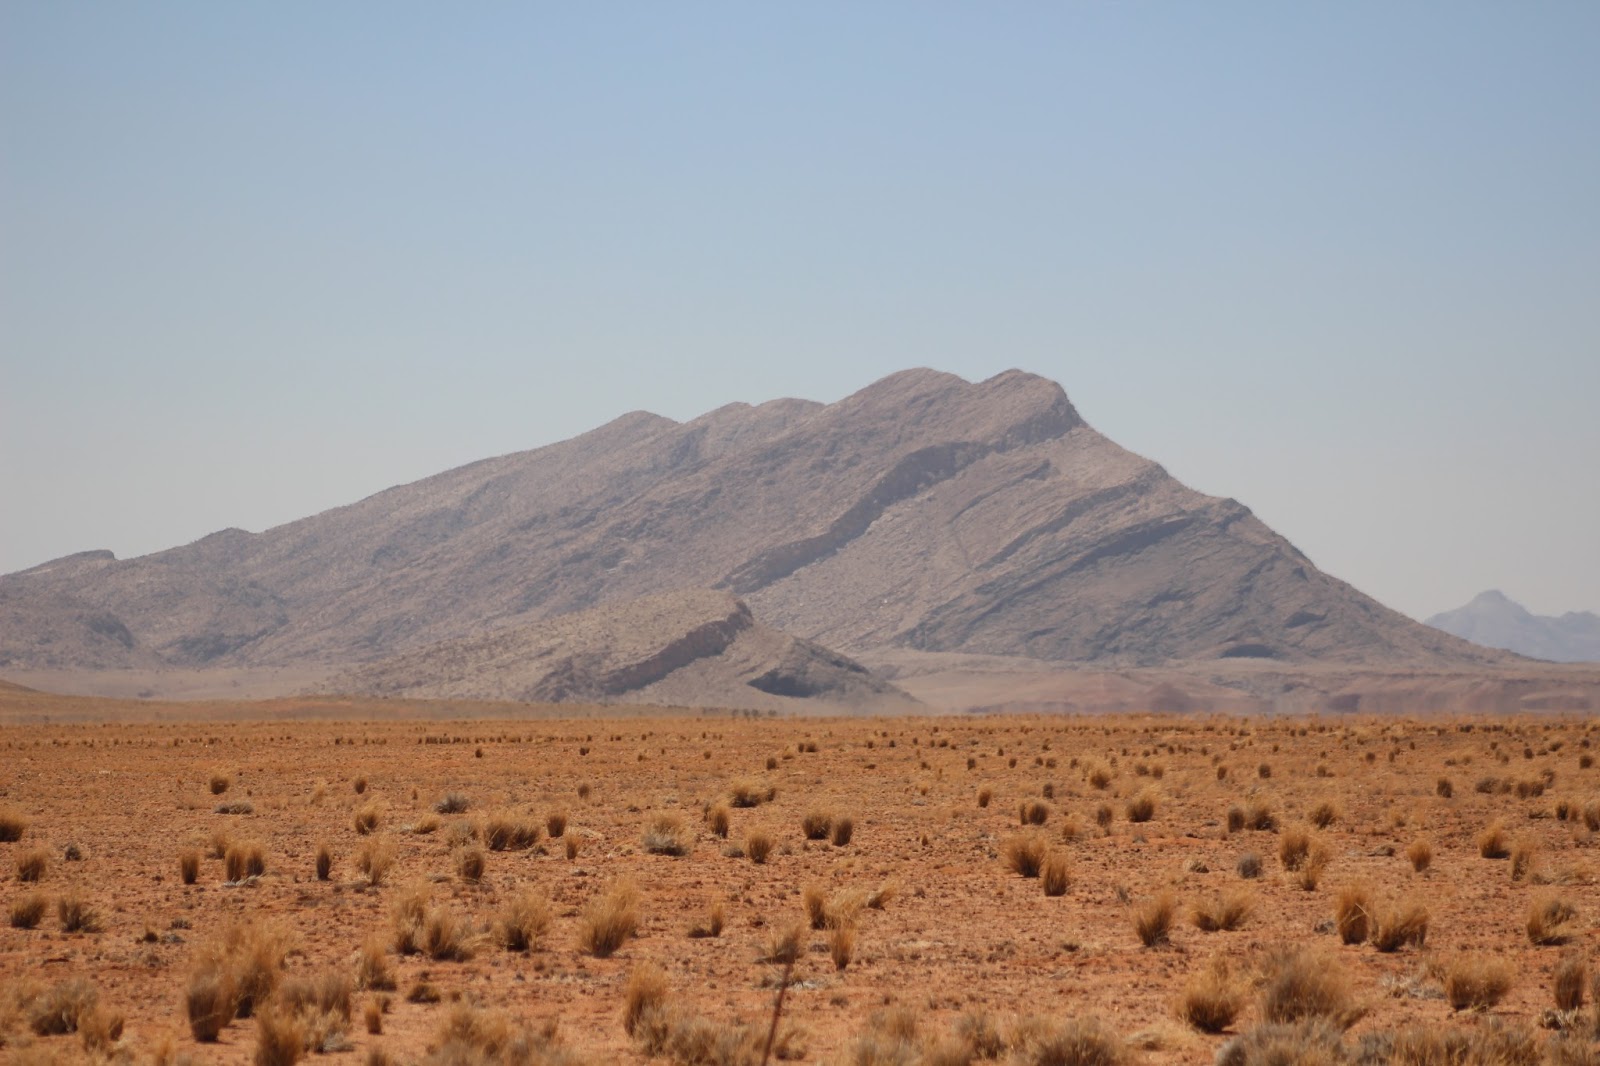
x=1495, y=620
x=922, y=511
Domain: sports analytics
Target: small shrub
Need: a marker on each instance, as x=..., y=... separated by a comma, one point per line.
x=189, y=866
x=12, y=825
x=1249, y=866
x=985, y=796
x=27, y=911
x=1293, y=847
x=503, y=832
x=1103, y=816
x=573, y=846
x=1260, y=816
x=1142, y=807
x=1324, y=814
x=555, y=823
x=77, y=914
x=372, y=967
x=1225, y=912
x=445, y=937
x=667, y=835
x=1420, y=853
x=1152, y=920
x=324, y=862
x=219, y=784
x=1081, y=1041
x=1550, y=920
x=712, y=927
x=609, y=920
x=280, y=1038
x=1033, y=812
x=746, y=793
x=244, y=859
x=843, y=830
x=817, y=825
x=31, y=865
x=523, y=921
x=63, y=1008
x=372, y=1015
x=1310, y=873
x=1236, y=818
x=758, y=845
x=1523, y=853
x=1476, y=982
x=1444, y=788
x=1024, y=853
x=366, y=819
x=785, y=945
x=717, y=818
x=646, y=994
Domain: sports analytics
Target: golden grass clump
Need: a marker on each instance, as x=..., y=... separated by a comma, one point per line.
x=31, y=865
x=1400, y=924
x=1033, y=812
x=1476, y=982
x=209, y=1002
x=1142, y=807
x=280, y=1038
x=523, y=921
x=372, y=967
x=844, y=828
x=189, y=866
x=1260, y=816
x=1302, y=983
x=1055, y=876
x=1420, y=854
x=471, y=863
x=1078, y=1041
x=815, y=901
x=1224, y=912
x=842, y=945
x=507, y=832
x=758, y=845
x=1494, y=842
x=77, y=914
x=12, y=825
x=376, y=858
x=1316, y=861
x=785, y=946
x=219, y=783
x=27, y=911
x=1024, y=853
x=367, y=818
x=1352, y=914
x=646, y=994
x=747, y=793
x=717, y=818
x=1294, y=844
x=446, y=937
x=668, y=834
x=711, y=927
x=324, y=862
x=244, y=858
x=1550, y=920
x=609, y=919
x=1572, y=975
x=1152, y=920
x=1324, y=814
x=817, y=824
x=1523, y=852
x=555, y=824
x=985, y=796
x=1212, y=998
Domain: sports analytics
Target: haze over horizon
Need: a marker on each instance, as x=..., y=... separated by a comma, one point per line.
x=1335, y=264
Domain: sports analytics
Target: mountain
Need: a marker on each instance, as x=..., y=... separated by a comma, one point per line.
x=1494, y=620
x=695, y=646
x=923, y=512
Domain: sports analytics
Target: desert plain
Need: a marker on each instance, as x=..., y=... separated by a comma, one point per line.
x=910, y=937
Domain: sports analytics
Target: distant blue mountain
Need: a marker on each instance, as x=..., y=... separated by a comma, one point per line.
x=1495, y=620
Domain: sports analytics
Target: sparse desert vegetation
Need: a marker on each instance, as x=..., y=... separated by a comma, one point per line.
x=1335, y=902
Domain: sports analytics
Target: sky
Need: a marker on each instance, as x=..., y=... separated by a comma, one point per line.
x=1338, y=261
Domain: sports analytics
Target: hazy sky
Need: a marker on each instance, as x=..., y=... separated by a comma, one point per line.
x=1339, y=261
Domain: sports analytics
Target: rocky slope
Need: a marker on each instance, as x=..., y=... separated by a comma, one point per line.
x=923, y=512
x=1494, y=620
x=697, y=646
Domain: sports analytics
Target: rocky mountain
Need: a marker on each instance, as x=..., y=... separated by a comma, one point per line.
x=923, y=512
x=697, y=646
x=1494, y=620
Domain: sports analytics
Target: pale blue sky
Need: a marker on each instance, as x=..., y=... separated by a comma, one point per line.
x=1339, y=261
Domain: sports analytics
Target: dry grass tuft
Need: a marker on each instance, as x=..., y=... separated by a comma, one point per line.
x=31, y=865
x=445, y=936
x=77, y=914
x=1142, y=807
x=375, y=859
x=523, y=921
x=27, y=911
x=505, y=832
x=985, y=796
x=747, y=793
x=63, y=1007
x=555, y=823
x=1572, y=975
x=1303, y=984
x=1400, y=924
x=453, y=803
x=189, y=866
x=609, y=920
x=1222, y=913
x=1293, y=846
x=842, y=945
x=843, y=829
x=758, y=845
x=219, y=783
x=1550, y=920
x=1420, y=854
x=646, y=994
x=815, y=901
x=712, y=927
x=667, y=834
x=1081, y=1041
x=12, y=825
x=1055, y=877
x=1212, y=998
x=280, y=1038
x=1152, y=920
x=244, y=858
x=372, y=967
x=1033, y=812
x=1249, y=866
x=1523, y=852
x=471, y=863
x=1324, y=814
x=718, y=819
x=209, y=1003
x=1352, y=914
x=1024, y=853
x=1476, y=982
x=367, y=818
x=816, y=825
x=785, y=946
x=1494, y=842
x=1260, y=816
